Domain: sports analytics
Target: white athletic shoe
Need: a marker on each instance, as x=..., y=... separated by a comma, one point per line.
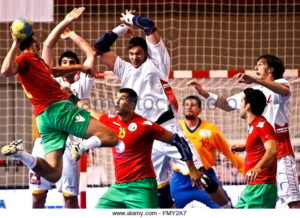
x=77, y=150
x=13, y=149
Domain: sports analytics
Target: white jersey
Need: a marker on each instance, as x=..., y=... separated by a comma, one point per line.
x=277, y=110
x=81, y=88
x=149, y=81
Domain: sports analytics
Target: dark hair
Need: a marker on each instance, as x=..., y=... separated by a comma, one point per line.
x=68, y=54
x=138, y=41
x=274, y=62
x=26, y=43
x=193, y=97
x=133, y=97
x=256, y=99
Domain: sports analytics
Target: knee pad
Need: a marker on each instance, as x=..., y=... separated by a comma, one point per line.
x=164, y=197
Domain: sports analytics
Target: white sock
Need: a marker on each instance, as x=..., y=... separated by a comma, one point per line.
x=227, y=205
x=29, y=160
x=91, y=143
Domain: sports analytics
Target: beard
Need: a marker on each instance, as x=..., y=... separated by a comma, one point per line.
x=190, y=117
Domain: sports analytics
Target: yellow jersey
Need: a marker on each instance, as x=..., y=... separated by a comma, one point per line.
x=208, y=139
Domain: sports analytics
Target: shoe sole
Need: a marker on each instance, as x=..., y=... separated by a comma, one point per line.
x=8, y=150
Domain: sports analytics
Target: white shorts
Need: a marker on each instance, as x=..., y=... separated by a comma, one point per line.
x=287, y=180
x=163, y=153
x=69, y=181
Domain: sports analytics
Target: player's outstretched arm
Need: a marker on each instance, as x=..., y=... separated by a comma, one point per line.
x=144, y=23
x=224, y=147
x=211, y=98
x=82, y=44
x=186, y=154
x=9, y=67
x=105, y=41
x=49, y=43
x=63, y=70
x=278, y=88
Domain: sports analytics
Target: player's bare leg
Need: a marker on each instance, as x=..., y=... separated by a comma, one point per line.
x=71, y=201
x=50, y=168
x=39, y=200
x=295, y=204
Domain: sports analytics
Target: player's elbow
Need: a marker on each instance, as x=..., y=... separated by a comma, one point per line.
x=7, y=73
x=110, y=139
x=286, y=91
x=47, y=44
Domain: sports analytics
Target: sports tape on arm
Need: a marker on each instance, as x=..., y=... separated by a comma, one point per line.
x=105, y=41
x=182, y=146
x=144, y=23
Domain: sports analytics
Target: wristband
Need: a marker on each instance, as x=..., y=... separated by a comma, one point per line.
x=120, y=30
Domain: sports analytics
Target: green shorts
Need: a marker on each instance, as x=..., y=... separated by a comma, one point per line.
x=141, y=193
x=58, y=121
x=258, y=196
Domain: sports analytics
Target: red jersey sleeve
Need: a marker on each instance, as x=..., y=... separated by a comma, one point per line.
x=157, y=130
x=266, y=131
x=103, y=118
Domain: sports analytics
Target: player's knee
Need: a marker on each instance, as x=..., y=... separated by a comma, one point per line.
x=164, y=197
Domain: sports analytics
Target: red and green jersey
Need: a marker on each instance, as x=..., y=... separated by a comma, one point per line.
x=39, y=86
x=260, y=131
x=132, y=156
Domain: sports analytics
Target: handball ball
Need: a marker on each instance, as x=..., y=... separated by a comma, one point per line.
x=22, y=28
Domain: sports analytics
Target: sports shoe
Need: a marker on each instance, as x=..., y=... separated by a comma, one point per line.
x=77, y=150
x=12, y=149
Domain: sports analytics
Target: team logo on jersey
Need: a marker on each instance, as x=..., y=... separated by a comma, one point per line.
x=79, y=118
x=205, y=133
x=132, y=127
x=260, y=124
x=250, y=129
x=120, y=148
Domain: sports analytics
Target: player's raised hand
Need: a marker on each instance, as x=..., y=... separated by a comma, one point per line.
x=126, y=17
x=15, y=39
x=243, y=78
x=198, y=87
x=129, y=30
x=75, y=13
x=66, y=34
